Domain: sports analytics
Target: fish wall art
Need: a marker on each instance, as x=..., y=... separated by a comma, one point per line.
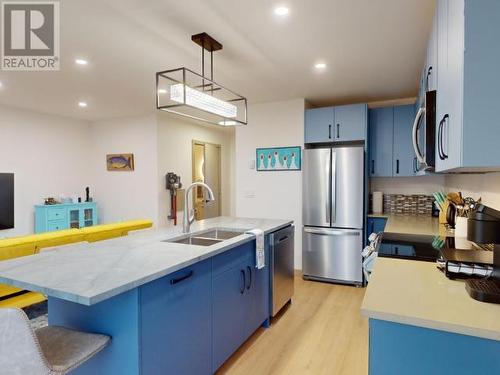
x=120, y=162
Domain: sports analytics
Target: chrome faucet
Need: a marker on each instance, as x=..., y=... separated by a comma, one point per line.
x=189, y=212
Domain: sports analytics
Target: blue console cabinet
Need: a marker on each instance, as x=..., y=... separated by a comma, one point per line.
x=65, y=216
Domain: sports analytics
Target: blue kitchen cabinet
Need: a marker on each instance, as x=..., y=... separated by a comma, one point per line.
x=467, y=86
x=336, y=124
x=319, y=125
x=380, y=142
x=351, y=122
x=65, y=216
x=240, y=300
x=403, y=154
x=376, y=225
x=176, y=322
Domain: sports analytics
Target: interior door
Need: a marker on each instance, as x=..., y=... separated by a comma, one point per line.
x=333, y=254
x=347, y=187
x=207, y=169
x=316, y=187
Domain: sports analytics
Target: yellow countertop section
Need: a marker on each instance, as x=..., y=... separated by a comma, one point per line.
x=418, y=294
x=412, y=224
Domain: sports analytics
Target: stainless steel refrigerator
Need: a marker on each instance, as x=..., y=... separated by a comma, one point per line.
x=333, y=214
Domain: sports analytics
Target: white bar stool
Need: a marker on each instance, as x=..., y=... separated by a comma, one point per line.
x=48, y=350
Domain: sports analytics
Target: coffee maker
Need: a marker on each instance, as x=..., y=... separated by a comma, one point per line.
x=483, y=227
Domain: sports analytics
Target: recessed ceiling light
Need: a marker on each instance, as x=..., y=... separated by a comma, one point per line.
x=81, y=62
x=281, y=11
x=320, y=66
x=162, y=91
x=227, y=122
x=82, y=104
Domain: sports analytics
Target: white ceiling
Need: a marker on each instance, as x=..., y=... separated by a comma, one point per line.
x=374, y=50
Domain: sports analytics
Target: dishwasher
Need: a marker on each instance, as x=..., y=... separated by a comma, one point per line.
x=281, y=267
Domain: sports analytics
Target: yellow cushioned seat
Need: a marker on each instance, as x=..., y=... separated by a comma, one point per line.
x=14, y=248
x=56, y=238
x=23, y=300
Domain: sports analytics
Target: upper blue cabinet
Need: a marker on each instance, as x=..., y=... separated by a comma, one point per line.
x=336, y=124
x=390, y=148
x=468, y=60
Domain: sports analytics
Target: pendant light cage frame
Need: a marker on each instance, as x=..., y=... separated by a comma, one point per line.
x=187, y=93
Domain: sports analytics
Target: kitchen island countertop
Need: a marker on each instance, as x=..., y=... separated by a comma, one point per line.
x=418, y=294
x=93, y=272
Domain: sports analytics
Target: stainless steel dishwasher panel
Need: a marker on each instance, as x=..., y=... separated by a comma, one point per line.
x=282, y=267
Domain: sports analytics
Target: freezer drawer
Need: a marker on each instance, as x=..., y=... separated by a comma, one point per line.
x=332, y=254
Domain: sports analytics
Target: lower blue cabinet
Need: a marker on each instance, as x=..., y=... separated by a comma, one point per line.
x=176, y=322
x=240, y=300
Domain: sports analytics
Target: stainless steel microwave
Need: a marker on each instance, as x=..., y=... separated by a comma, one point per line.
x=424, y=135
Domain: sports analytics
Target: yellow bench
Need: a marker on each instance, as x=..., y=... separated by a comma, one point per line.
x=29, y=245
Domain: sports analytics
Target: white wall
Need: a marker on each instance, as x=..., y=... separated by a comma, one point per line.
x=485, y=186
x=175, y=136
x=408, y=185
x=270, y=194
x=49, y=156
x=125, y=195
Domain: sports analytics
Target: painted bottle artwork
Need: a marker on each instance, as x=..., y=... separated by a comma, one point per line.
x=279, y=159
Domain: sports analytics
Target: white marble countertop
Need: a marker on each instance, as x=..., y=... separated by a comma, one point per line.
x=418, y=294
x=90, y=273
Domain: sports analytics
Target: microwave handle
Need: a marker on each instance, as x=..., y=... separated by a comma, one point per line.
x=418, y=153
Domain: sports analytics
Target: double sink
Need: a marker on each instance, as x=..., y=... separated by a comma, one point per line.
x=207, y=237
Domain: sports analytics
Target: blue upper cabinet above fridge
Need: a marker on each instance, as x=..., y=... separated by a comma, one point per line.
x=319, y=125
x=336, y=124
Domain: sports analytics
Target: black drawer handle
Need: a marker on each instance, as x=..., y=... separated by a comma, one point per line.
x=249, y=277
x=283, y=239
x=330, y=131
x=445, y=119
x=373, y=166
x=397, y=166
x=242, y=289
x=182, y=278
x=338, y=130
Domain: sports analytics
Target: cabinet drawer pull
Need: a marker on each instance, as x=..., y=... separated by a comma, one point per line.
x=338, y=131
x=397, y=166
x=373, y=166
x=182, y=278
x=249, y=277
x=439, y=142
x=242, y=289
x=330, y=131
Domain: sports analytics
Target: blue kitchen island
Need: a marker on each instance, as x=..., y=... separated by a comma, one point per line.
x=423, y=323
x=170, y=308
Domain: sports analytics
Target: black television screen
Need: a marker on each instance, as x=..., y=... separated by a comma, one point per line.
x=6, y=200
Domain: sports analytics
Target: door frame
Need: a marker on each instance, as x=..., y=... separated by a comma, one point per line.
x=219, y=146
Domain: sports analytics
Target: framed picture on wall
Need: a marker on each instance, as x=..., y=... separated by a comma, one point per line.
x=120, y=162
x=279, y=159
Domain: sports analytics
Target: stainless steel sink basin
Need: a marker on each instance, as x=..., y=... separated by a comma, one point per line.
x=190, y=240
x=207, y=237
x=220, y=233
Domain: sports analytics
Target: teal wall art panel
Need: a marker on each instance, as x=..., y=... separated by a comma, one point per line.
x=279, y=159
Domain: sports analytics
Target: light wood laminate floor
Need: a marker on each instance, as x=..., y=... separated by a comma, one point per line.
x=321, y=332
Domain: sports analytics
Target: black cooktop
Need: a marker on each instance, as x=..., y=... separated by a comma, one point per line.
x=413, y=246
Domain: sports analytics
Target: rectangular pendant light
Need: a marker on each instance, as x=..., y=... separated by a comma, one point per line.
x=202, y=101
x=186, y=93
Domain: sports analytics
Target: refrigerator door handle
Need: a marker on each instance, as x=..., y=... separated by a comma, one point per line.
x=330, y=232
x=328, y=189
x=333, y=190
